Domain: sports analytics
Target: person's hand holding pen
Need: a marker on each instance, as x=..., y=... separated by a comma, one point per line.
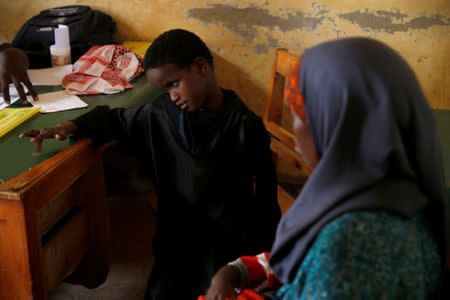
x=13, y=69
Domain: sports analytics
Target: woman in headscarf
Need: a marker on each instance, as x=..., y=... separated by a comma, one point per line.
x=372, y=221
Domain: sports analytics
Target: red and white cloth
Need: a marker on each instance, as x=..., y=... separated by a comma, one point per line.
x=103, y=70
x=257, y=273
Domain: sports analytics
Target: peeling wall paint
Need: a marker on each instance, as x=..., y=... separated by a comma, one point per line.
x=243, y=20
x=392, y=22
x=244, y=34
x=267, y=46
x=240, y=19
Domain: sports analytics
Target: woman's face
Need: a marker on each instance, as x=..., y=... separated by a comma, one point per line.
x=304, y=142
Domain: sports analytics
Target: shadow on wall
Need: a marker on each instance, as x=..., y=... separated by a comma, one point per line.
x=233, y=77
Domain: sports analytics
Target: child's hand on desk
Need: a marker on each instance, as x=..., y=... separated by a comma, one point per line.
x=60, y=133
x=224, y=284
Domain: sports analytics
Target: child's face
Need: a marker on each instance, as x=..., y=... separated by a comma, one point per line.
x=188, y=88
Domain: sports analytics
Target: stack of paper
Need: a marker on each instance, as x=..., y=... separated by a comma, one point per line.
x=52, y=102
x=57, y=101
x=12, y=94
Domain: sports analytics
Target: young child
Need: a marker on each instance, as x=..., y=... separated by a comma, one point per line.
x=210, y=160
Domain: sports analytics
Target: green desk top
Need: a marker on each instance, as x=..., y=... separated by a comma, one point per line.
x=16, y=154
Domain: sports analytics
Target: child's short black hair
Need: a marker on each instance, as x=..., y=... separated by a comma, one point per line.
x=176, y=46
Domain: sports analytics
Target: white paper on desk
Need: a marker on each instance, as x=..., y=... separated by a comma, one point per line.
x=57, y=101
x=13, y=95
x=49, y=76
x=3, y=103
x=13, y=92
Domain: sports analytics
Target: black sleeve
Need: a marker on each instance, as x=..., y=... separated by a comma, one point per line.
x=129, y=126
x=266, y=206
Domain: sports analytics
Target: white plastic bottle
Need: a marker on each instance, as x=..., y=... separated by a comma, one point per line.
x=60, y=51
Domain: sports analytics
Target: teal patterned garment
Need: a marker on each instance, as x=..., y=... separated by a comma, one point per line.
x=368, y=255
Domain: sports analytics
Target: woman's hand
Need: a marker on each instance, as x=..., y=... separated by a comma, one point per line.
x=224, y=284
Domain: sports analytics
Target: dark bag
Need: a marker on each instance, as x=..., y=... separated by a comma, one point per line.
x=87, y=27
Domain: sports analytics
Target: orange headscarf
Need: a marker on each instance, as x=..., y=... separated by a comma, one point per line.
x=293, y=94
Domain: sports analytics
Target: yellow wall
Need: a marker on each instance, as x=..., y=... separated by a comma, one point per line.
x=243, y=34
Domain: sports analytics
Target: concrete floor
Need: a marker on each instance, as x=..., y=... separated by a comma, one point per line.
x=132, y=229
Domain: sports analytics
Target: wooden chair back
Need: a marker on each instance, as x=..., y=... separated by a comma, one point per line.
x=282, y=144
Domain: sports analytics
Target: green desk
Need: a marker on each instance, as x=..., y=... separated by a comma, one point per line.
x=16, y=154
x=54, y=218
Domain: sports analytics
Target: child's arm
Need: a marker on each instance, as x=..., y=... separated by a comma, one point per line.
x=102, y=124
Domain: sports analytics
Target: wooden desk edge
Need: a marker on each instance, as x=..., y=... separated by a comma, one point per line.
x=16, y=187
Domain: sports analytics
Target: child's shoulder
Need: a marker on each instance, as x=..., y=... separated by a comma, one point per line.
x=237, y=105
x=156, y=106
x=160, y=101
